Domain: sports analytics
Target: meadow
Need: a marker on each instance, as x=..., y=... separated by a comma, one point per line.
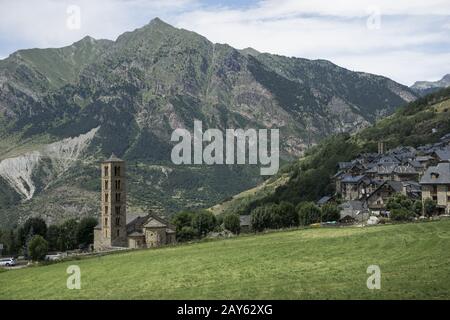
x=322, y=263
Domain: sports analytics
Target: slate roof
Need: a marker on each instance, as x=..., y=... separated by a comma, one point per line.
x=423, y=158
x=136, y=234
x=382, y=168
x=445, y=137
x=443, y=154
x=245, y=220
x=441, y=174
x=354, y=205
x=345, y=165
x=323, y=200
x=113, y=158
x=352, y=179
x=153, y=223
x=405, y=169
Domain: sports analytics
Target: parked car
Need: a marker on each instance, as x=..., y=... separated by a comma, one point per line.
x=7, y=262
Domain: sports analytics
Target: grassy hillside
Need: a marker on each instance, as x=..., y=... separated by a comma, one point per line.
x=304, y=264
x=420, y=122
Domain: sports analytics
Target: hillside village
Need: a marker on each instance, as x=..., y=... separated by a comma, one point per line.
x=365, y=184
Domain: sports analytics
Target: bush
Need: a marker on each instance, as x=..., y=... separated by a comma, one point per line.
x=330, y=212
x=417, y=207
x=308, y=213
x=261, y=218
x=186, y=233
x=429, y=206
x=399, y=201
x=37, y=248
x=401, y=215
x=232, y=222
x=203, y=222
x=289, y=216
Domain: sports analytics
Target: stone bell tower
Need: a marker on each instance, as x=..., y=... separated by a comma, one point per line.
x=113, y=204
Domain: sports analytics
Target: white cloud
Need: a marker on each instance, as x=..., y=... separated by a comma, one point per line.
x=338, y=32
x=411, y=44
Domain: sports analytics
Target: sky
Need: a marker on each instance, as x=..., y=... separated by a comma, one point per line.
x=405, y=40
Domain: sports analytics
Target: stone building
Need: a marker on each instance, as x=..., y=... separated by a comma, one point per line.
x=113, y=229
x=435, y=184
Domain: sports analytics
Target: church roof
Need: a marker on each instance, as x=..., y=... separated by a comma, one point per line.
x=153, y=223
x=148, y=221
x=136, y=234
x=113, y=158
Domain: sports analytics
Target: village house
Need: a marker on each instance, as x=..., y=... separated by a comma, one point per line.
x=435, y=184
x=378, y=199
x=353, y=211
x=113, y=230
x=371, y=179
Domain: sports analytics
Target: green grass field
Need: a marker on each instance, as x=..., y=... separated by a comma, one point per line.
x=328, y=263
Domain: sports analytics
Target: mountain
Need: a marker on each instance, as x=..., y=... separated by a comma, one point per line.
x=425, y=87
x=420, y=122
x=63, y=110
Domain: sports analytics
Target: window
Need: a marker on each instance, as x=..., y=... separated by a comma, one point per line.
x=435, y=198
x=106, y=197
x=118, y=210
x=106, y=221
x=117, y=221
x=118, y=232
x=118, y=197
x=106, y=184
x=106, y=171
x=118, y=185
x=117, y=171
x=106, y=233
x=106, y=209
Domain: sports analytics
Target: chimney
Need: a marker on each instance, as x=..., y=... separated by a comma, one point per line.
x=380, y=147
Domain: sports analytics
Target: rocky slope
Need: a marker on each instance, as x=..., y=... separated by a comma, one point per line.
x=62, y=110
x=425, y=87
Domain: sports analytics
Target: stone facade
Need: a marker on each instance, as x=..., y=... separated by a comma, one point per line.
x=113, y=229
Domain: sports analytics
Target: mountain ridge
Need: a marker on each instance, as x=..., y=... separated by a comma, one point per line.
x=137, y=89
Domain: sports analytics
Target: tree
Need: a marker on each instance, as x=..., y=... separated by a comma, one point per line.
x=401, y=214
x=232, y=222
x=417, y=207
x=53, y=234
x=330, y=212
x=182, y=219
x=309, y=213
x=429, y=206
x=68, y=236
x=33, y=226
x=85, y=231
x=37, y=248
x=261, y=218
x=399, y=201
x=186, y=233
x=289, y=217
x=10, y=242
x=203, y=222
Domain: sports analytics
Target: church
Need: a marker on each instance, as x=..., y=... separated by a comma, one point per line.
x=113, y=229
